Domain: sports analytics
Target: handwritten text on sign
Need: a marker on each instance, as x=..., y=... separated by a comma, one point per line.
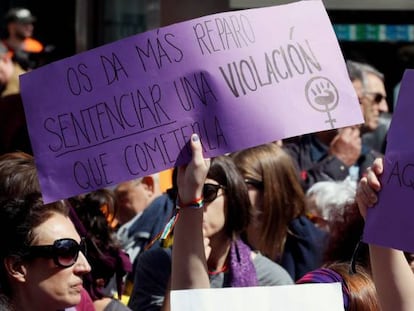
x=239, y=79
x=390, y=222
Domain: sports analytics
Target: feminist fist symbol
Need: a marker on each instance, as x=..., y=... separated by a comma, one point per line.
x=322, y=96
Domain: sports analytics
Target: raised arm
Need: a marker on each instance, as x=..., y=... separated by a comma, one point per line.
x=392, y=275
x=189, y=265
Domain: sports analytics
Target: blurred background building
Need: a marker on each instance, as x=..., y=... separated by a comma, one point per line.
x=380, y=32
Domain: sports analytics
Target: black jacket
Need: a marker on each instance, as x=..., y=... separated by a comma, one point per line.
x=315, y=164
x=304, y=248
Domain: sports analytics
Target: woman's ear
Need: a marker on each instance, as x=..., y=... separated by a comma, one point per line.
x=149, y=182
x=15, y=268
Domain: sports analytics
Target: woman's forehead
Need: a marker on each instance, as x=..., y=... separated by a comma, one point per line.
x=57, y=226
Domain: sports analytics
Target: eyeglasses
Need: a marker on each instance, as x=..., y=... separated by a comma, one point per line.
x=65, y=252
x=255, y=183
x=210, y=192
x=377, y=97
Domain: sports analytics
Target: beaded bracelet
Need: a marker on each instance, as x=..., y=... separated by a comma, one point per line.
x=197, y=203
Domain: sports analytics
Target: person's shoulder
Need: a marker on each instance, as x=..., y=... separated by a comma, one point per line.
x=160, y=205
x=306, y=233
x=269, y=272
x=155, y=256
x=297, y=144
x=152, y=273
x=116, y=305
x=302, y=225
x=155, y=215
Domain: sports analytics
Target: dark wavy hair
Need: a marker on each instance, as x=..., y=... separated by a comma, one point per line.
x=18, y=218
x=224, y=171
x=105, y=255
x=18, y=175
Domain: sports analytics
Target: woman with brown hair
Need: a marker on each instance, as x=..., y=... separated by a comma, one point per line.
x=280, y=229
x=358, y=288
x=189, y=265
x=224, y=207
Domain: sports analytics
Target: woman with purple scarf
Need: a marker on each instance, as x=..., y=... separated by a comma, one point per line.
x=213, y=210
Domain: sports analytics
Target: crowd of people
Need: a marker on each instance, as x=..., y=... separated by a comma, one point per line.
x=282, y=213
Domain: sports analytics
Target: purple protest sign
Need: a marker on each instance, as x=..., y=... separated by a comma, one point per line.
x=390, y=223
x=239, y=79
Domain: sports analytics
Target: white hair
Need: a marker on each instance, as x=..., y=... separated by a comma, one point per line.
x=331, y=197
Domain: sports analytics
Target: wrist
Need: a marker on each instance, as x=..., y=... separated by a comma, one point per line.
x=195, y=204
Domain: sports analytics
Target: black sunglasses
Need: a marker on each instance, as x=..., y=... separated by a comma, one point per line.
x=377, y=97
x=210, y=192
x=65, y=252
x=255, y=183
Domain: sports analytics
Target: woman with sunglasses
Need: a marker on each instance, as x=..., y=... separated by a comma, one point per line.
x=18, y=178
x=225, y=211
x=280, y=229
x=42, y=256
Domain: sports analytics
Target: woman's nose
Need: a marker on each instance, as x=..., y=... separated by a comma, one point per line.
x=82, y=265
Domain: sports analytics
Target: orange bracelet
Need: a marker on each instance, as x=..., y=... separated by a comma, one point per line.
x=197, y=203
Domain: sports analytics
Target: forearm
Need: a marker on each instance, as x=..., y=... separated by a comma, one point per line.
x=393, y=279
x=189, y=265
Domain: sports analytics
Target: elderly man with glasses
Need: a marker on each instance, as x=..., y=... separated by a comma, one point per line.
x=369, y=85
x=334, y=155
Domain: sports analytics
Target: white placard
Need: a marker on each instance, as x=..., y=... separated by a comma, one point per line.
x=309, y=297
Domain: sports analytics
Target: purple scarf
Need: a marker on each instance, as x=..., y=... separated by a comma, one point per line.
x=242, y=271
